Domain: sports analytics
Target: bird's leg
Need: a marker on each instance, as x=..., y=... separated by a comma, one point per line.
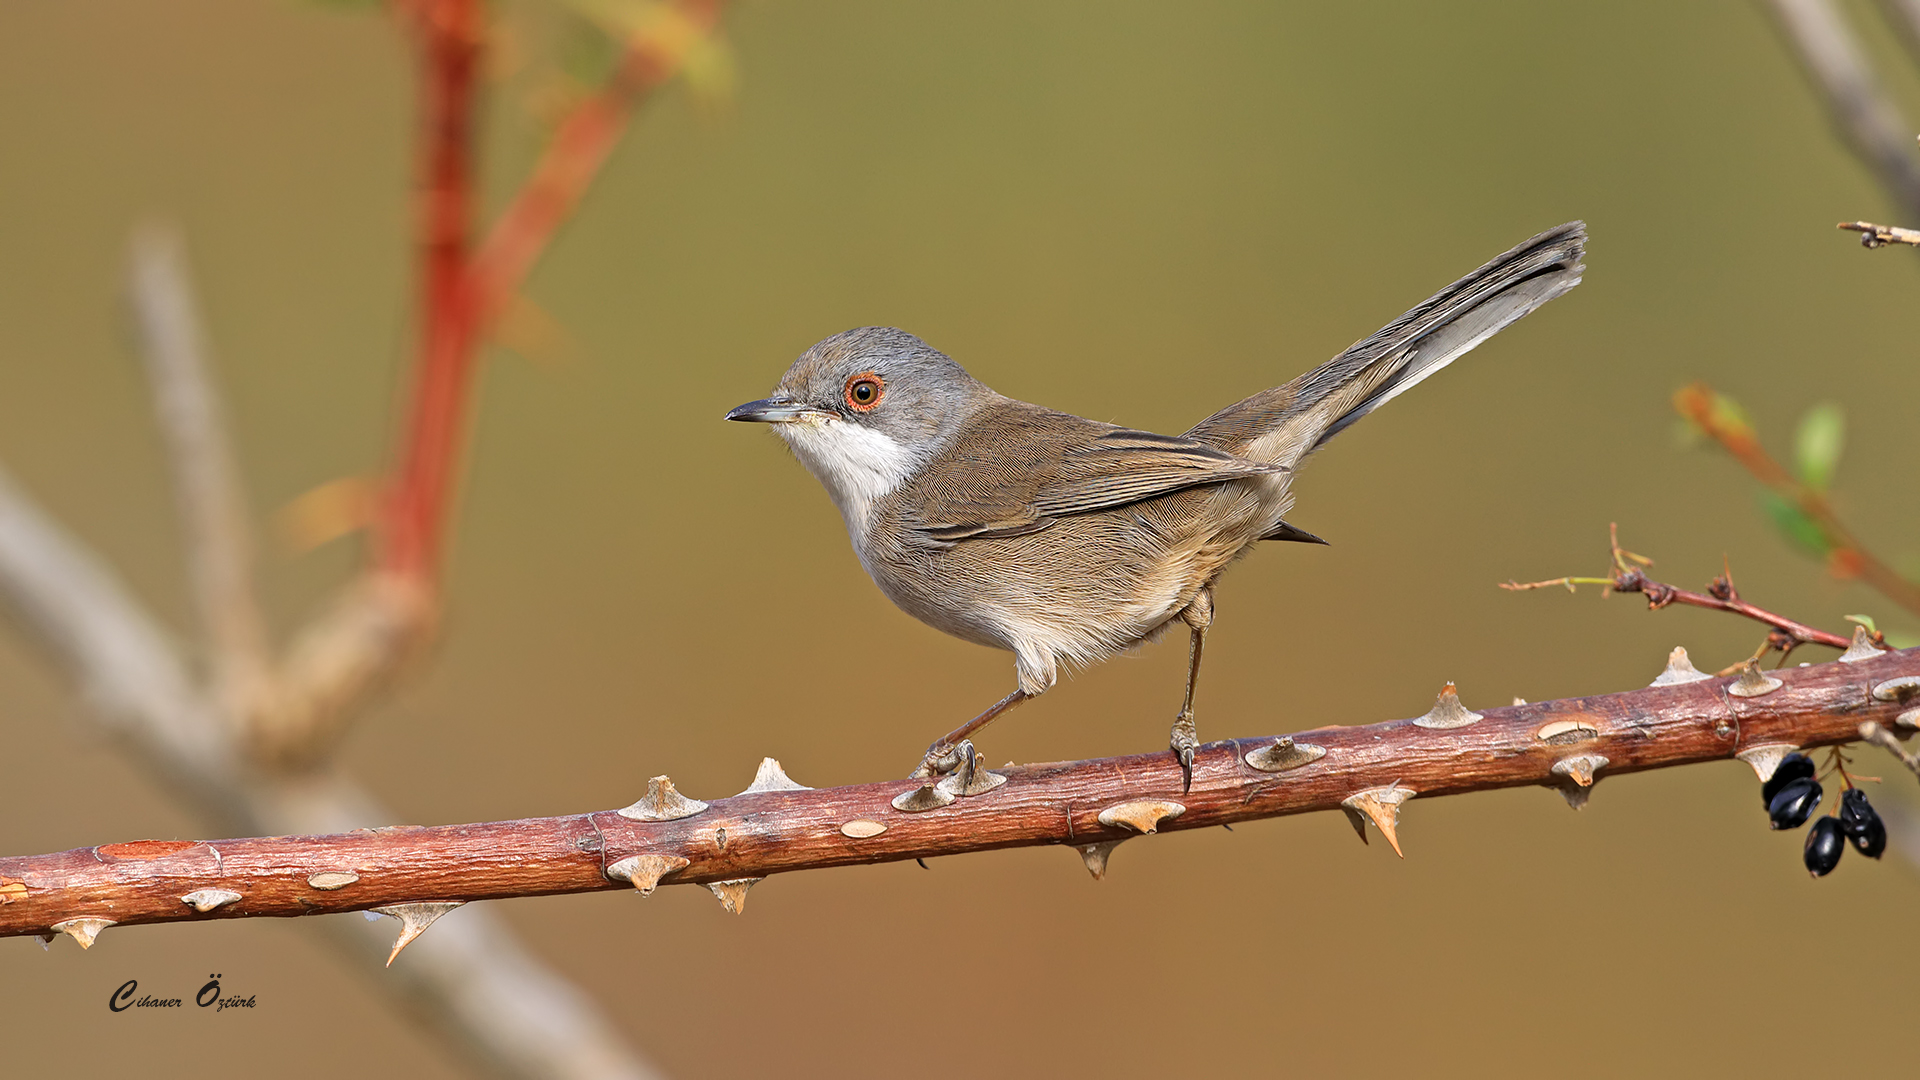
x=1185, y=738
x=954, y=752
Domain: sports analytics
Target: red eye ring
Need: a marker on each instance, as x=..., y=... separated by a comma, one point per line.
x=864, y=391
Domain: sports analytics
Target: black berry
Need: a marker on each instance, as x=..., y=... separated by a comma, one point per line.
x=1793, y=804
x=1792, y=767
x=1861, y=824
x=1825, y=845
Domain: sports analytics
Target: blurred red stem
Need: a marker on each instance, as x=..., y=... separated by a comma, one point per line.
x=450, y=41
x=1696, y=403
x=463, y=291
x=574, y=157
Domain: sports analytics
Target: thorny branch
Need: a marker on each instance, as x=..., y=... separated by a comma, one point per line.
x=775, y=826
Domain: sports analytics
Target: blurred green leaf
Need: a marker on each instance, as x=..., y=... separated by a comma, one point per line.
x=1730, y=412
x=1793, y=523
x=1863, y=620
x=1817, y=444
x=588, y=51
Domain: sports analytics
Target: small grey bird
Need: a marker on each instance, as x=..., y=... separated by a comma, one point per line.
x=1067, y=540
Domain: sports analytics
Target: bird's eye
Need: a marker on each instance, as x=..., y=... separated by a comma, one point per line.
x=864, y=390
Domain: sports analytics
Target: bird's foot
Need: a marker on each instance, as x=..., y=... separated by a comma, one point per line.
x=958, y=766
x=949, y=759
x=1184, y=740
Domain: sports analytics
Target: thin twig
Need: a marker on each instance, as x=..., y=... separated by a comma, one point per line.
x=479, y=984
x=1849, y=556
x=1627, y=576
x=213, y=505
x=776, y=826
x=1884, y=739
x=1874, y=236
x=1866, y=117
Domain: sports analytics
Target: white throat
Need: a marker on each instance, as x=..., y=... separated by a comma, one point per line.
x=857, y=465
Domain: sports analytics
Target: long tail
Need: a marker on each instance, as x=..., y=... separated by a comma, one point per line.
x=1285, y=424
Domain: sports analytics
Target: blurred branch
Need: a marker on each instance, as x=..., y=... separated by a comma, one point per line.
x=381, y=620
x=580, y=146
x=479, y=984
x=1865, y=116
x=1885, y=740
x=450, y=36
x=250, y=754
x=1702, y=407
x=463, y=293
x=776, y=826
x=213, y=506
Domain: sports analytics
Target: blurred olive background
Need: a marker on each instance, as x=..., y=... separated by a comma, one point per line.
x=1138, y=212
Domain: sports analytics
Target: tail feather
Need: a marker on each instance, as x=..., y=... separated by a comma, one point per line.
x=1285, y=424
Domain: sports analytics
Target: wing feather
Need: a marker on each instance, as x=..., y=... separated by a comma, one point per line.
x=1101, y=468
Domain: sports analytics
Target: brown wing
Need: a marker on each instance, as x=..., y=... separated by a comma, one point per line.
x=1029, y=467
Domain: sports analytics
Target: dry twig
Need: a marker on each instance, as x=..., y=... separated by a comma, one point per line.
x=1628, y=576
x=1873, y=236
x=1886, y=740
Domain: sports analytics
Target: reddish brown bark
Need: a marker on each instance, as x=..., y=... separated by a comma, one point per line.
x=753, y=835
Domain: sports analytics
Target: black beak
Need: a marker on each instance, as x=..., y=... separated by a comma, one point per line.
x=1293, y=534
x=769, y=411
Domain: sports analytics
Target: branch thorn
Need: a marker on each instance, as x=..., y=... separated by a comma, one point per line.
x=1381, y=806
x=662, y=802
x=771, y=777
x=1447, y=712
x=928, y=796
x=1752, y=681
x=1285, y=754
x=1680, y=670
x=1861, y=648
x=414, y=920
x=82, y=930
x=1580, y=768
x=1141, y=815
x=732, y=894
x=644, y=872
x=1096, y=856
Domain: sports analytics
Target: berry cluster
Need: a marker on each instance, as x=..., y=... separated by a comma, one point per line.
x=1793, y=793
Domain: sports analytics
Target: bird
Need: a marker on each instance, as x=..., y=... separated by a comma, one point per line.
x=1067, y=540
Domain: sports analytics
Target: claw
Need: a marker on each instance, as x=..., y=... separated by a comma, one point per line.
x=1184, y=740
x=949, y=759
